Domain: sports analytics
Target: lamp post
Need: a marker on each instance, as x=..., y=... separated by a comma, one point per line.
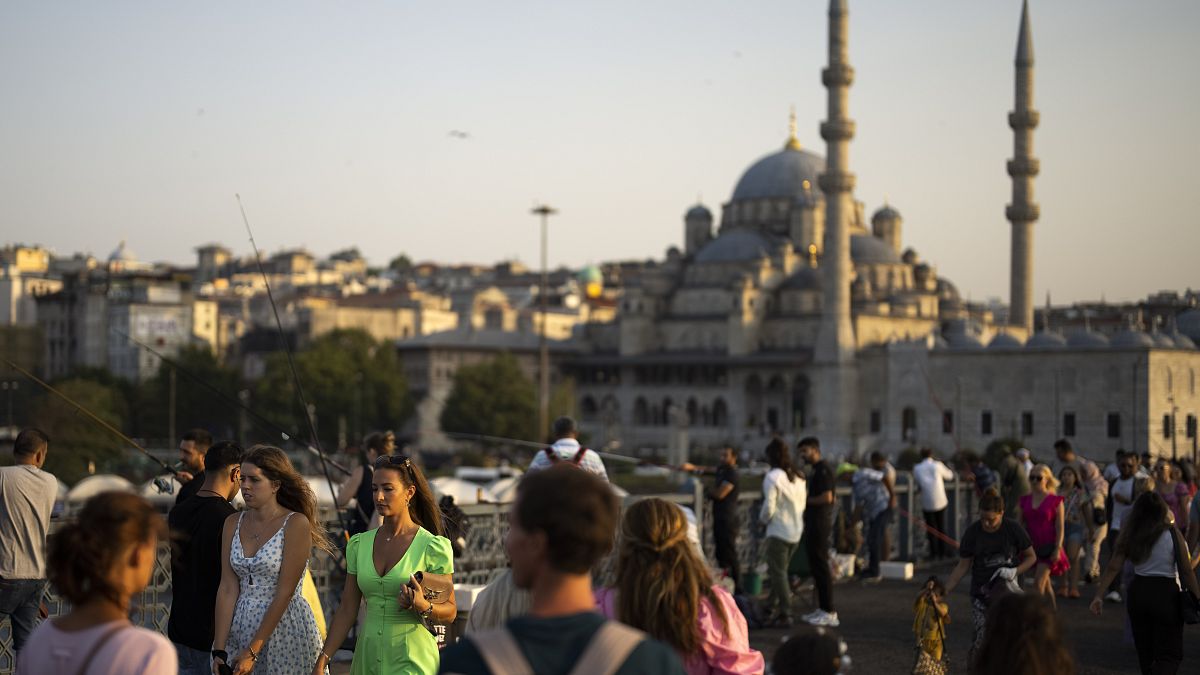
x=544, y=211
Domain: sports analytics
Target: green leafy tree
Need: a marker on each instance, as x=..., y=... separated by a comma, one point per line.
x=493, y=398
x=401, y=265
x=195, y=404
x=348, y=377
x=77, y=440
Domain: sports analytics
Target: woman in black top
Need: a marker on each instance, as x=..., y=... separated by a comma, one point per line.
x=358, y=484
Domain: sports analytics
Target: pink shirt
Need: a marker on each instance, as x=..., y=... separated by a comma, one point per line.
x=724, y=646
x=130, y=650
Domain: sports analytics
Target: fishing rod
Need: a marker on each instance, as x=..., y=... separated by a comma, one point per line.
x=96, y=418
x=287, y=349
x=285, y=434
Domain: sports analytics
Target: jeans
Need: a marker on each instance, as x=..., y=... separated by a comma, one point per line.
x=816, y=545
x=779, y=555
x=937, y=521
x=879, y=525
x=19, y=601
x=725, y=540
x=1153, y=605
x=193, y=661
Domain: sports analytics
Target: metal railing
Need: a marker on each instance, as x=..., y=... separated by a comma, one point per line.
x=485, y=557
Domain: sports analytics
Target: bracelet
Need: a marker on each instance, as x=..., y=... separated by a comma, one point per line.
x=220, y=654
x=252, y=653
x=328, y=658
x=425, y=615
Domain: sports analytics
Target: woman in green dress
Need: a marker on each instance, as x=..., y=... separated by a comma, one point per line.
x=381, y=565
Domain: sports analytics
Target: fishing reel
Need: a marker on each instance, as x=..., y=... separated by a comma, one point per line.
x=164, y=485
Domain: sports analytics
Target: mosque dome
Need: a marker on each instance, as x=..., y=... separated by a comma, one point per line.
x=806, y=279
x=1132, y=339
x=1046, y=340
x=782, y=174
x=947, y=291
x=1188, y=323
x=735, y=245
x=1005, y=341
x=1086, y=338
x=1162, y=340
x=865, y=248
x=960, y=339
x=698, y=211
x=1182, y=341
x=885, y=213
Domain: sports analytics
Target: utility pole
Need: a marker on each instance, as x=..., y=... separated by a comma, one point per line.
x=543, y=353
x=171, y=408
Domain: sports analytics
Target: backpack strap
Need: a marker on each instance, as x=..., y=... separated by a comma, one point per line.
x=577, y=460
x=500, y=652
x=550, y=455
x=97, y=645
x=608, y=649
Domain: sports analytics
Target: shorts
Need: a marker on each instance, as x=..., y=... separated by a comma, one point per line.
x=1073, y=534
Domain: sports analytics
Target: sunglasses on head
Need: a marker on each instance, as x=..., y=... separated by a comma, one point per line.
x=393, y=461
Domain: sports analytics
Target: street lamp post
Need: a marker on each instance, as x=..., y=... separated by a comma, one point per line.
x=545, y=212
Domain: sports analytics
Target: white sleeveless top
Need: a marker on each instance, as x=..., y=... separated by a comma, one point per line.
x=1161, y=561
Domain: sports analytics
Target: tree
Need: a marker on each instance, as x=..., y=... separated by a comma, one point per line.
x=401, y=265
x=492, y=399
x=195, y=404
x=348, y=377
x=76, y=439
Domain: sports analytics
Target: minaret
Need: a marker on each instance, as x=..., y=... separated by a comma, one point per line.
x=1023, y=167
x=835, y=339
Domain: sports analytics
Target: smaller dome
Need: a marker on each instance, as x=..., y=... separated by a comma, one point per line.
x=1162, y=340
x=865, y=248
x=1046, y=340
x=910, y=256
x=1085, y=338
x=960, y=340
x=1182, y=341
x=698, y=211
x=885, y=213
x=946, y=290
x=807, y=279
x=735, y=245
x=1132, y=339
x=1005, y=341
x=1188, y=323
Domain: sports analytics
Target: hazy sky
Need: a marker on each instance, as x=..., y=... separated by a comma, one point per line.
x=140, y=120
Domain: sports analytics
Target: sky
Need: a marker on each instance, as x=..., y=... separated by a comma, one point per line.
x=140, y=121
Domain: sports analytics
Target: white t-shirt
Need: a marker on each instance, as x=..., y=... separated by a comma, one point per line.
x=1123, y=487
x=932, y=475
x=130, y=650
x=783, y=505
x=27, y=497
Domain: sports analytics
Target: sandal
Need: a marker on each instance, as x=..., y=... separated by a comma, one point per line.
x=1063, y=593
x=1074, y=593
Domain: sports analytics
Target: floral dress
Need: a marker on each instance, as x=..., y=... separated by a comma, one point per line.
x=393, y=641
x=1039, y=523
x=295, y=643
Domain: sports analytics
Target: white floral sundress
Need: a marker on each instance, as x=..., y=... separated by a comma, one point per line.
x=295, y=644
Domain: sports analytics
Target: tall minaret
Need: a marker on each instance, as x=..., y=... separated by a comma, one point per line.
x=835, y=339
x=1023, y=211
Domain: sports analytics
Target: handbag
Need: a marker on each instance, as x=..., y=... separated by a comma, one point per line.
x=438, y=589
x=1189, y=606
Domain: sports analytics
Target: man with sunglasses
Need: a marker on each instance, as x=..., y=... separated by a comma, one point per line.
x=196, y=559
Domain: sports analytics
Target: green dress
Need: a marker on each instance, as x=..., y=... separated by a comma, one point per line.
x=393, y=641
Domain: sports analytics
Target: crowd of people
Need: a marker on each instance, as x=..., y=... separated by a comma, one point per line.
x=625, y=592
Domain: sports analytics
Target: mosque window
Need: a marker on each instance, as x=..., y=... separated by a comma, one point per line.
x=947, y=421
x=1069, y=424
x=1026, y=423
x=985, y=423
x=1191, y=426
x=876, y=421
x=1167, y=424
x=908, y=424
x=1113, y=423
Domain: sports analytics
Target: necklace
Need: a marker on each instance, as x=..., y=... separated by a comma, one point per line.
x=405, y=534
x=211, y=492
x=255, y=535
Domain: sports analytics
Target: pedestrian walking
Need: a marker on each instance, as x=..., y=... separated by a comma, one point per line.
x=1014, y=484
x=931, y=476
x=1078, y=527
x=784, y=499
x=1094, y=483
x=996, y=551
x=1168, y=481
x=1043, y=515
x=27, y=497
x=1024, y=635
x=1161, y=571
x=1122, y=493
x=818, y=523
x=875, y=500
x=381, y=568
x=196, y=564
x=262, y=621
x=97, y=564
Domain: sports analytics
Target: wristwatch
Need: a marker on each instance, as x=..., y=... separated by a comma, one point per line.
x=220, y=654
x=427, y=614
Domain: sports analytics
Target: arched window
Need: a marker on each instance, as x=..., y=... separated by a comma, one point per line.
x=720, y=413
x=641, y=412
x=800, y=390
x=666, y=410
x=908, y=424
x=753, y=400
x=588, y=409
x=693, y=414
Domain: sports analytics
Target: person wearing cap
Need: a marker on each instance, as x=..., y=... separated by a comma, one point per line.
x=567, y=449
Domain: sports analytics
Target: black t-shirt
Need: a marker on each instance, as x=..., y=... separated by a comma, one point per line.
x=992, y=550
x=820, y=480
x=725, y=510
x=196, y=568
x=189, y=489
x=553, y=645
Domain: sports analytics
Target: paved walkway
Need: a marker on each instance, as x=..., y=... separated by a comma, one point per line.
x=877, y=626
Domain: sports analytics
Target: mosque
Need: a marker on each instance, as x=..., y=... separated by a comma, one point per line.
x=799, y=316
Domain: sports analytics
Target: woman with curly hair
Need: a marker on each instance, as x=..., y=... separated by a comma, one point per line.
x=664, y=588
x=262, y=622
x=1024, y=635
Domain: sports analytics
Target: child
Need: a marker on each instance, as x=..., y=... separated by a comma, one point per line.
x=931, y=614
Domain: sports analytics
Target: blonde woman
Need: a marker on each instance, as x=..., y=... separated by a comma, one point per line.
x=1044, y=518
x=262, y=622
x=664, y=588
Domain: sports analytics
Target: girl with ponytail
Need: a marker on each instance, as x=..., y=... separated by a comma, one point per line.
x=97, y=563
x=663, y=587
x=262, y=622
x=382, y=566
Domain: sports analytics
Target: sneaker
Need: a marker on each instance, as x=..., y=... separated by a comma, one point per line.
x=807, y=618
x=873, y=580
x=1113, y=596
x=829, y=619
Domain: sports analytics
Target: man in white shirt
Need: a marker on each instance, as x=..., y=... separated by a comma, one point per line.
x=1122, y=501
x=567, y=449
x=931, y=475
x=27, y=497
